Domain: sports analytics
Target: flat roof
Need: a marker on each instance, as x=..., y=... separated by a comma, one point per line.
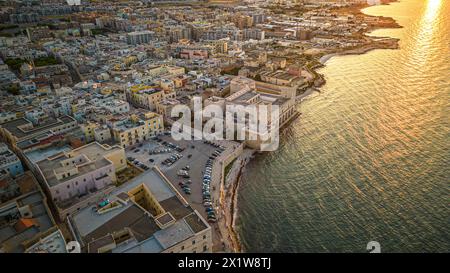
x=148, y=236
x=151, y=245
x=94, y=150
x=52, y=243
x=14, y=234
x=174, y=234
x=48, y=167
x=246, y=96
x=154, y=183
x=41, y=154
x=13, y=126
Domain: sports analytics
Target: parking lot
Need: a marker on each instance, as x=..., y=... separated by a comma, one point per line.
x=194, y=154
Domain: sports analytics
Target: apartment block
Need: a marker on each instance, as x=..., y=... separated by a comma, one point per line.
x=23, y=130
x=73, y=178
x=139, y=37
x=136, y=128
x=146, y=96
x=24, y=215
x=9, y=162
x=145, y=215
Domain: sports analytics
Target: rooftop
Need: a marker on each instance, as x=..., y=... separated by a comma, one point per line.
x=23, y=128
x=148, y=233
x=6, y=155
x=30, y=222
x=84, y=159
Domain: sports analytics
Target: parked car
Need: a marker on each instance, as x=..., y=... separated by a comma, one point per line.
x=182, y=173
x=211, y=214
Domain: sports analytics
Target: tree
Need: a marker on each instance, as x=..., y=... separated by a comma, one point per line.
x=13, y=89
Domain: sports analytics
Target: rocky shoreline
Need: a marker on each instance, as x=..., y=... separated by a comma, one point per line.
x=229, y=192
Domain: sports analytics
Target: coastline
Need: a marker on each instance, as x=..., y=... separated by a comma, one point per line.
x=228, y=204
x=230, y=236
x=390, y=43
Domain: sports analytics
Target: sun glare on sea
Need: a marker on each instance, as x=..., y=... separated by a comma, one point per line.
x=432, y=9
x=427, y=29
x=428, y=23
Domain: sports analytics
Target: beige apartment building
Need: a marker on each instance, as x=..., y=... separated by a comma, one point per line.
x=136, y=128
x=147, y=97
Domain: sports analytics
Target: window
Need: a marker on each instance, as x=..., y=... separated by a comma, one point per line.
x=205, y=248
x=68, y=186
x=204, y=236
x=182, y=247
x=193, y=242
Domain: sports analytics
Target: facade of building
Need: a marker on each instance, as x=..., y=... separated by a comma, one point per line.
x=102, y=134
x=9, y=162
x=7, y=116
x=253, y=33
x=139, y=37
x=245, y=92
x=137, y=128
x=117, y=106
x=146, y=96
